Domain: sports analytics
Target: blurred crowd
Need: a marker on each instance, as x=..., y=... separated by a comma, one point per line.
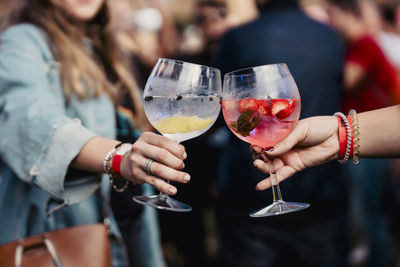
x=343, y=54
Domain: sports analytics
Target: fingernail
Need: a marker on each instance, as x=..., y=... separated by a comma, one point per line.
x=184, y=155
x=269, y=149
x=186, y=178
x=172, y=190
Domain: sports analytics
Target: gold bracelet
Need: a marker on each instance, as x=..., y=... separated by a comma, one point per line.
x=115, y=187
x=356, y=136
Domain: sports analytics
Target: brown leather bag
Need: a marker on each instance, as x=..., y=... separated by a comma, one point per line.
x=85, y=245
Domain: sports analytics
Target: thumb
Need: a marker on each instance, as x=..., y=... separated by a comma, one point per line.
x=290, y=141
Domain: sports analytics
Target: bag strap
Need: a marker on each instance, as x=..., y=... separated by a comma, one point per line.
x=46, y=242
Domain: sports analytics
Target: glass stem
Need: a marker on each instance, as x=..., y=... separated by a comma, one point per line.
x=162, y=195
x=276, y=191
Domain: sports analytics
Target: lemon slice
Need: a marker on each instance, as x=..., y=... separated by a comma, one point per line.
x=182, y=124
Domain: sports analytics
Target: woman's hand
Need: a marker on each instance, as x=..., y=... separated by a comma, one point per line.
x=312, y=142
x=168, y=159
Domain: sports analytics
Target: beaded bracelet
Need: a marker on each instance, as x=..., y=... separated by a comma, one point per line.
x=108, y=160
x=356, y=136
x=115, y=187
x=352, y=136
x=348, y=137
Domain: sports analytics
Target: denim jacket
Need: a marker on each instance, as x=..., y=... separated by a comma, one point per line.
x=39, y=137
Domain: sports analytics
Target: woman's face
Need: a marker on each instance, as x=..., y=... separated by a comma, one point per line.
x=82, y=10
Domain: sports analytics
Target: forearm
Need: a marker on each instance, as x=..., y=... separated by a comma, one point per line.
x=379, y=132
x=91, y=157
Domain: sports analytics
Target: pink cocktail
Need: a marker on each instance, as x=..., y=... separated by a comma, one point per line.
x=261, y=106
x=262, y=122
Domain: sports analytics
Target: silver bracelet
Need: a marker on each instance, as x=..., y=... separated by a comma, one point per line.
x=348, y=137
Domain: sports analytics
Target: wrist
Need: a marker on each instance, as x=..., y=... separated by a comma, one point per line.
x=120, y=151
x=348, y=136
x=112, y=164
x=333, y=142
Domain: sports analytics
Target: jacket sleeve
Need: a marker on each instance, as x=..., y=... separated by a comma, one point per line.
x=38, y=140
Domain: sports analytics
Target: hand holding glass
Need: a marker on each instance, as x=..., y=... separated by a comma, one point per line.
x=261, y=106
x=182, y=101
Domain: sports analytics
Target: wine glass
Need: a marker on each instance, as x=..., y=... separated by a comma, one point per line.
x=182, y=101
x=261, y=106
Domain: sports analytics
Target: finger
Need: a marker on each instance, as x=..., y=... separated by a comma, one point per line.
x=163, y=142
x=258, y=156
x=264, y=184
x=255, y=149
x=257, y=153
x=160, y=170
x=261, y=165
x=282, y=174
x=159, y=154
x=157, y=183
x=289, y=142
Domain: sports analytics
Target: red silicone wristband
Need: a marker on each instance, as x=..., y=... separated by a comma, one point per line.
x=342, y=138
x=116, y=163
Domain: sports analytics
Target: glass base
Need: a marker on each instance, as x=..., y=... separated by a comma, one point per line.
x=279, y=207
x=162, y=202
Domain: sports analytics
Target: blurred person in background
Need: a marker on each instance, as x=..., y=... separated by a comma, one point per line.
x=370, y=82
x=380, y=18
x=316, y=10
x=62, y=80
x=212, y=19
x=146, y=32
x=315, y=56
x=389, y=36
x=4, y=10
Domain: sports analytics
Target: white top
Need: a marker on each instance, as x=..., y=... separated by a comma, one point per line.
x=390, y=44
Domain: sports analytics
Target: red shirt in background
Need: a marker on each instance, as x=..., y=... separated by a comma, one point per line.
x=381, y=87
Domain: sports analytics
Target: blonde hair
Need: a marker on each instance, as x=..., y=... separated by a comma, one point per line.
x=86, y=70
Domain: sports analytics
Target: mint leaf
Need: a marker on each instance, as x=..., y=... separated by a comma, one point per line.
x=246, y=122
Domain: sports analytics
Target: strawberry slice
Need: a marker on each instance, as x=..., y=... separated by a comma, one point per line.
x=282, y=108
x=263, y=107
x=248, y=104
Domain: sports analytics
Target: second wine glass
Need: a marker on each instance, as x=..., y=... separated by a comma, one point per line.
x=261, y=106
x=182, y=101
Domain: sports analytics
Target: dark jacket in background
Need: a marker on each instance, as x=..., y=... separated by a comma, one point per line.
x=314, y=54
